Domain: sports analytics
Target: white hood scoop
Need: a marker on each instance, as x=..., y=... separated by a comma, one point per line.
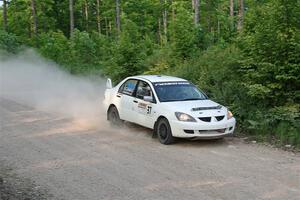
x=218, y=107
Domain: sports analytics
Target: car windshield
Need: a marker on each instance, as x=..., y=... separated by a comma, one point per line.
x=177, y=91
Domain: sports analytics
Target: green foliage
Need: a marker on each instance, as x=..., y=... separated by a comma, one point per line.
x=77, y=54
x=271, y=70
x=55, y=46
x=83, y=52
x=143, y=14
x=182, y=32
x=216, y=72
x=19, y=22
x=273, y=67
x=128, y=53
x=8, y=42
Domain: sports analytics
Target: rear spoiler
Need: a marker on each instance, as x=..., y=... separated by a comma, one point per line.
x=108, y=83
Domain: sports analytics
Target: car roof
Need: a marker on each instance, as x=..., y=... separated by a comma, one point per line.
x=158, y=78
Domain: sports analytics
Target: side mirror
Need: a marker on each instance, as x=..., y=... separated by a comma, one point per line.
x=148, y=99
x=108, y=83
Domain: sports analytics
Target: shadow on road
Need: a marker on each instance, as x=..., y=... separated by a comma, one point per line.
x=179, y=141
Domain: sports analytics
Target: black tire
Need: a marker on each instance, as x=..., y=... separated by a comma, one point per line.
x=164, y=132
x=113, y=117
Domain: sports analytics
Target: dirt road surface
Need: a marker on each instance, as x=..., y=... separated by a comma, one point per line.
x=72, y=161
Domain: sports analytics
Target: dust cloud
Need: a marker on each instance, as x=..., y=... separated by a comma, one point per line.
x=32, y=80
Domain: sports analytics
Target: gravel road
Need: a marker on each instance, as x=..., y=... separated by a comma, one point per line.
x=72, y=161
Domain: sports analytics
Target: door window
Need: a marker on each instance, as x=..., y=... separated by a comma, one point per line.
x=128, y=87
x=144, y=89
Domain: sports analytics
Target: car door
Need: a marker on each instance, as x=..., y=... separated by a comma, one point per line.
x=126, y=96
x=144, y=110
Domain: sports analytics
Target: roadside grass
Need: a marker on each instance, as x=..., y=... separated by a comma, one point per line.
x=280, y=139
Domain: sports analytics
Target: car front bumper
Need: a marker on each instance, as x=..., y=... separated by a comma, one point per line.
x=205, y=130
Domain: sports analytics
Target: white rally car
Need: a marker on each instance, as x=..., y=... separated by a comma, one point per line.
x=172, y=107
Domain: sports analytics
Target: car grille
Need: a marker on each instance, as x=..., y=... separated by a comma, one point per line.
x=208, y=119
x=205, y=119
x=212, y=131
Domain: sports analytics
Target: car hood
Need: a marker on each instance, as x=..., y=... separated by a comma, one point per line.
x=196, y=108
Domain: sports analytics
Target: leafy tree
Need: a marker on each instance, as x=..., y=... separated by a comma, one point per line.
x=55, y=46
x=4, y=14
x=182, y=31
x=271, y=70
x=129, y=53
x=8, y=42
x=83, y=51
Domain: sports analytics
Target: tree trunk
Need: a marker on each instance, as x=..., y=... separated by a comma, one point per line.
x=164, y=19
x=208, y=16
x=110, y=27
x=98, y=16
x=159, y=31
x=86, y=15
x=208, y=23
x=219, y=28
x=34, y=16
x=29, y=30
x=196, y=4
x=106, y=26
x=42, y=24
x=5, y=15
x=118, y=21
x=240, y=15
x=71, y=6
x=231, y=8
x=173, y=10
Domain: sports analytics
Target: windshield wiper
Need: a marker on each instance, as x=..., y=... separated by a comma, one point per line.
x=191, y=99
x=188, y=99
x=169, y=100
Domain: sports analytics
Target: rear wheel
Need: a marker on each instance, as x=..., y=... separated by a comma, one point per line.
x=113, y=117
x=163, y=131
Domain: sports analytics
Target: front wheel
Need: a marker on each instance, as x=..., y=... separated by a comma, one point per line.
x=164, y=132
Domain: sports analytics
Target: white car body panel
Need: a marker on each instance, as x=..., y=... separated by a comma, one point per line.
x=146, y=113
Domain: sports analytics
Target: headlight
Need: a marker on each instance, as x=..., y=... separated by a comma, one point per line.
x=229, y=115
x=184, y=117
